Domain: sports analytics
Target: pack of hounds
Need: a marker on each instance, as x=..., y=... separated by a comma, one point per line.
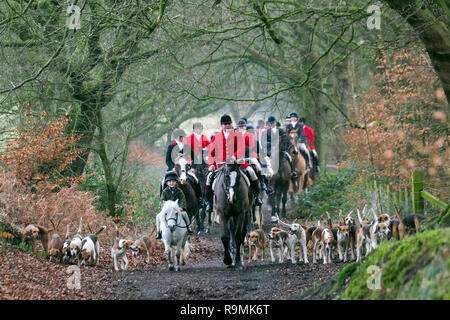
x=85, y=251
x=346, y=237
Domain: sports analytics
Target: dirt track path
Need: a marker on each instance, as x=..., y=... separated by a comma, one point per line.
x=210, y=279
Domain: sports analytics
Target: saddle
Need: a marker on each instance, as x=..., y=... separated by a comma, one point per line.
x=220, y=172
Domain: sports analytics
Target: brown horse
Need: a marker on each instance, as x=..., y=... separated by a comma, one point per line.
x=305, y=177
x=281, y=179
x=299, y=163
x=233, y=207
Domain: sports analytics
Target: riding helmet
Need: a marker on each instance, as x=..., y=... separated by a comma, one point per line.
x=178, y=133
x=197, y=125
x=272, y=119
x=294, y=114
x=242, y=123
x=225, y=119
x=171, y=176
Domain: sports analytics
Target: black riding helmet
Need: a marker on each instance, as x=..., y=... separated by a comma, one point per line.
x=171, y=176
x=225, y=119
x=242, y=123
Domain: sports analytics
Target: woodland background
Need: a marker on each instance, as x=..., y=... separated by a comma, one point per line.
x=86, y=113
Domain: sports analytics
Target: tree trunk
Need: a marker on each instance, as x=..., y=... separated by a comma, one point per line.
x=432, y=31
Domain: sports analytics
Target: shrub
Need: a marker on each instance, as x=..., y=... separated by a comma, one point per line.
x=331, y=192
x=33, y=187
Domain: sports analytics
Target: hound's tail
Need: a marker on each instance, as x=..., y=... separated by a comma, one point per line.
x=99, y=231
x=150, y=235
x=67, y=231
x=79, y=227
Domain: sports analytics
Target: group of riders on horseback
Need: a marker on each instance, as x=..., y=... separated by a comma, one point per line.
x=251, y=149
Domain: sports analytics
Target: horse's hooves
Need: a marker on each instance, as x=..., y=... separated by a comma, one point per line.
x=177, y=269
x=183, y=263
x=228, y=261
x=207, y=230
x=171, y=268
x=239, y=267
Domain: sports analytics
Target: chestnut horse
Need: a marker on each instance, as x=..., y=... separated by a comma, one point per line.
x=304, y=179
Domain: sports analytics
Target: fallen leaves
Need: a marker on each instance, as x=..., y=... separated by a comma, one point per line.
x=24, y=276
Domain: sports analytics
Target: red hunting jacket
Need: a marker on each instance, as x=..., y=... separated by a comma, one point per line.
x=222, y=149
x=310, y=135
x=249, y=140
x=196, y=147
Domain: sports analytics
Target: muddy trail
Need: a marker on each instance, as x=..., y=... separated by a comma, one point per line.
x=209, y=278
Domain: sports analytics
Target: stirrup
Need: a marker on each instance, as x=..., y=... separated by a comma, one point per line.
x=294, y=175
x=158, y=235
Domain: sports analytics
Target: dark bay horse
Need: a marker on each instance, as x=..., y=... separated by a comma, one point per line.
x=282, y=178
x=233, y=207
x=188, y=190
x=201, y=172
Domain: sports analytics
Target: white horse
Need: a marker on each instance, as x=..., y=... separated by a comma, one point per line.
x=174, y=234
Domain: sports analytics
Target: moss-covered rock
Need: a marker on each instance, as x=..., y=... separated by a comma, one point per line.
x=415, y=268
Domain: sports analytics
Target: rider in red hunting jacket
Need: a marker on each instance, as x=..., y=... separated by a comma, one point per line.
x=309, y=134
x=227, y=145
x=198, y=144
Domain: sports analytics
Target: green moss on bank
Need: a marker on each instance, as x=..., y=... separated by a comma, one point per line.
x=415, y=268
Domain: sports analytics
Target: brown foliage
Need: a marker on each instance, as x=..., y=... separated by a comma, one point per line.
x=34, y=189
x=406, y=120
x=142, y=154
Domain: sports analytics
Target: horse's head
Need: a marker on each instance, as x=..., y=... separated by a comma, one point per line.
x=294, y=135
x=287, y=143
x=170, y=213
x=181, y=166
x=231, y=178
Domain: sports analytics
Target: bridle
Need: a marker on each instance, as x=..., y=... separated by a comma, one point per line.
x=171, y=218
x=226, y=183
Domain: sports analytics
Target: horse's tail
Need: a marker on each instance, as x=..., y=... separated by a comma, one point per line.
x=186, y=250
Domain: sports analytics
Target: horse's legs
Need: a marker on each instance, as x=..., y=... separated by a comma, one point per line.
x=233, y=236
x=240, y=232
x=277, y=203
x=178, y=255
x=202, y=215
x=225, y=237
x=283, y=208
x=167, y=251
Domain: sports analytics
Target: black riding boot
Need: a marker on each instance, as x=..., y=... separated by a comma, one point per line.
x=254, y=185
x=293, y=173
x=188, y=224
x=315, y=161
x=209, y=199
x=264, y=185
